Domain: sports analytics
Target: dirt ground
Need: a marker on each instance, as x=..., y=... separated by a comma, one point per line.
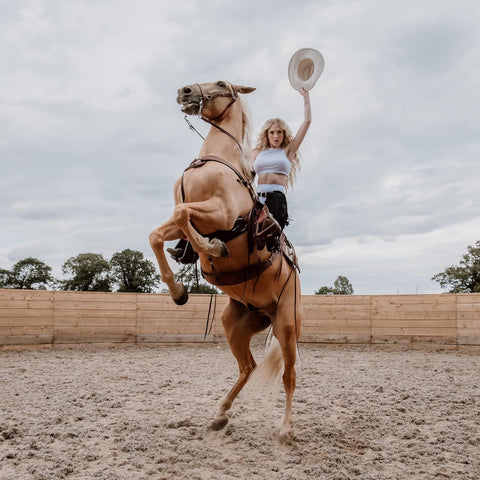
x=136, y=412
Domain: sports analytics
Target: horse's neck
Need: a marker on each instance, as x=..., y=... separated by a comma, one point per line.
x=221, y=145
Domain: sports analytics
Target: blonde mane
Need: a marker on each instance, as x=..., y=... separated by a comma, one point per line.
x=247, y=160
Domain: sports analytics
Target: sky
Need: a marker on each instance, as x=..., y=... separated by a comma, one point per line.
x=92, y=139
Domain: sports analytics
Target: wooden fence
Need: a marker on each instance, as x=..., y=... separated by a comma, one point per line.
x=51, y=317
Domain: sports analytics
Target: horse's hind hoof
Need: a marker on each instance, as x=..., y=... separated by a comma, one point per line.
x=285, y=437
x=219, y=423
x=183, y=298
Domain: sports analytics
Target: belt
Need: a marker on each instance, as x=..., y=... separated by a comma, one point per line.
x=265, y=194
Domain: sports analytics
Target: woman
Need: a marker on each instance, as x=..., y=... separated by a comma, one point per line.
x=276, y=161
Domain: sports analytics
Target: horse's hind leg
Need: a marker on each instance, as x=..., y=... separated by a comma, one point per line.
x=286, y=327
x=240, y=325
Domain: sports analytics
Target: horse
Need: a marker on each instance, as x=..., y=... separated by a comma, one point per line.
x=213, y=195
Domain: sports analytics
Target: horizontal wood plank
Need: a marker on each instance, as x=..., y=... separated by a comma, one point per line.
x=94, y=297
x=332, y=338
x=79, y=305
x=24, y=339
x=26, y=295
x=414, y=339
x=77, y=338
x=401, y=330
x=412, y=299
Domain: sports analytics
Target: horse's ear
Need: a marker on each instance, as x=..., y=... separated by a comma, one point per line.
x=242, y=89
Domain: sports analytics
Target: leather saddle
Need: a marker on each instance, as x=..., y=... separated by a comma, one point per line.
x=262, y=230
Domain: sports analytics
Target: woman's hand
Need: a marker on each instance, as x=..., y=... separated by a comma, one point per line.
x=304, y=93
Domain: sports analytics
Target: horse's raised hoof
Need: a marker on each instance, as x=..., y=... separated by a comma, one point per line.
x=183, y=298
x=219, y=423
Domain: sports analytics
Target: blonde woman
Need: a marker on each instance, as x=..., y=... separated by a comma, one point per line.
x=276, y=161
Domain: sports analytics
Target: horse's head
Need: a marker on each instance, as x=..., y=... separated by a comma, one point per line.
x=211, y=100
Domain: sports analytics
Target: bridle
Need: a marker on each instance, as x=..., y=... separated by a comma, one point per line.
x=211, y=96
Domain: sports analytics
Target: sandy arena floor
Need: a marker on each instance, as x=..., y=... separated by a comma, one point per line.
x=142, y=413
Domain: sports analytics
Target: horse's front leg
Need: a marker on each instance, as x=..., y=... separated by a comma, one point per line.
x=166, y=232
x=210, y=212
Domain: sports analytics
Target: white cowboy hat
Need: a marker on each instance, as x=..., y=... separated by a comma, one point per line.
x=305, y=68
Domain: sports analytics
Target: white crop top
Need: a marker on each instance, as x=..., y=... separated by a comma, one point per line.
x=272, y=160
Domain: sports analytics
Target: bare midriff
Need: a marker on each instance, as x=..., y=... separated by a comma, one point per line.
x=273, y=178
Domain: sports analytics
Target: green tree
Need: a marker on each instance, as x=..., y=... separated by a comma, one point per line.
x=4, y=278
x=133, y=272
x=189, y=276
x=324, y=291
x=30, y=273
x=89, y=271
x=341, y=286
x=464, y=278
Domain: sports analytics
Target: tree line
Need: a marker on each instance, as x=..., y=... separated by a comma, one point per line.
x=126, y=271
x=130, y=271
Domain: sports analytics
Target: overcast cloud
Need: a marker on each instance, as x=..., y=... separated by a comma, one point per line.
x=91, y=138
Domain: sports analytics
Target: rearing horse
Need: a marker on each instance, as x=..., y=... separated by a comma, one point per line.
x=213, y=194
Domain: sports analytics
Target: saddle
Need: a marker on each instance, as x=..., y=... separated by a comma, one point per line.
x=262, y=230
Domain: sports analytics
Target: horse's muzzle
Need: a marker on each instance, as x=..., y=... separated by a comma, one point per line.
x=189, y=98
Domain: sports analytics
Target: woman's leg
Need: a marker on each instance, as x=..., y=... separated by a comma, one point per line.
x=277, y=206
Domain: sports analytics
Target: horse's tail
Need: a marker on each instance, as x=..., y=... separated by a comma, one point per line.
x=267, y=376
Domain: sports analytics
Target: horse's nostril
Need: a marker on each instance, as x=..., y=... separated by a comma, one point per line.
x=187, y=90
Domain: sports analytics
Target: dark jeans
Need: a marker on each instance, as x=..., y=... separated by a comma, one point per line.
x=277, y=206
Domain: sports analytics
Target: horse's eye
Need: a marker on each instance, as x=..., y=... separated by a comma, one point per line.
x=221, y=84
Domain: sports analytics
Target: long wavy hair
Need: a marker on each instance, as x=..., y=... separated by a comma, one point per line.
x=263, y=143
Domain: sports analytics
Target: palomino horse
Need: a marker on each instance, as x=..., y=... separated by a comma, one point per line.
x=215, y=194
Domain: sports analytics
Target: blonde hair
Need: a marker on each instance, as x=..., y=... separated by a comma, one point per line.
x=263, y=143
